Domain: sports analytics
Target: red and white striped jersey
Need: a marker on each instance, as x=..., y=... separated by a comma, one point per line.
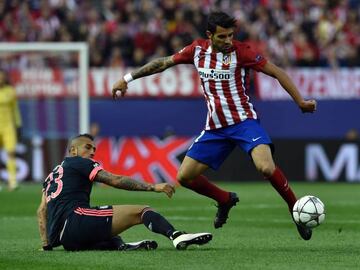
x=224, y=80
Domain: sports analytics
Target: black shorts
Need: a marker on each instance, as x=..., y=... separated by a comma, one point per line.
x=88, y=228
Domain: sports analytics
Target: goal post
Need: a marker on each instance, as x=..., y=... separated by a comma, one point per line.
x=83, y=61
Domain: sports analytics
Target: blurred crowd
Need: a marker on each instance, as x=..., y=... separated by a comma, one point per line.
x=131, y=32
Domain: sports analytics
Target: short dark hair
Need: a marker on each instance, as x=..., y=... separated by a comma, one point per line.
x=87, y=135
x=221, y=19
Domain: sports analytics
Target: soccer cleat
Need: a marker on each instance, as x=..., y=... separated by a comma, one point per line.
x=182, y=240
x=223, y=210
x=304, y=232
x=141, y=245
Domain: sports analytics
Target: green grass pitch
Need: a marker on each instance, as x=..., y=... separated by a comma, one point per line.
x=259, y=233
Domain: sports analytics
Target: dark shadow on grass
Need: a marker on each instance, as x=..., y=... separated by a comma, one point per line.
x=159, y=249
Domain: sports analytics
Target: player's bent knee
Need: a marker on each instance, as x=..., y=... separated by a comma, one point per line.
x=133, y=211
x=145, y=209
x=184, y=181
x=266, y=171
x=185, y=177
x=126, y=216
x=180, y=177
x=265, y=168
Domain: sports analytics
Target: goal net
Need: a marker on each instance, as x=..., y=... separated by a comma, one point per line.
x=51, y=82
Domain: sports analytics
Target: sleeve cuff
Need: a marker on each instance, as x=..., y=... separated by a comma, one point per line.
x=94, y=172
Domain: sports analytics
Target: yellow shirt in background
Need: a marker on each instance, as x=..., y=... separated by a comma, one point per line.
x=9, y=110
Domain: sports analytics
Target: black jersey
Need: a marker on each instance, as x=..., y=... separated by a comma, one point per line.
x=67, y=187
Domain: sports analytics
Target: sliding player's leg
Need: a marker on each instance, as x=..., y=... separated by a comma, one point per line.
x=126, y=216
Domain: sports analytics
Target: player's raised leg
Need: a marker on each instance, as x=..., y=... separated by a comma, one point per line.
x=190, y=176
x=126, y=216
x=264, y=163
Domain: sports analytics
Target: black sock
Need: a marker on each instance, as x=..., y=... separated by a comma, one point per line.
x=157, y=223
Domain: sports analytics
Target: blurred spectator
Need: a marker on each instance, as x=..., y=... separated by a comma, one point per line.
x=94, y=129
x=352, y=135
x=289, y=32
x=145, y=41
x=169, y=132
x=304, y=52
x=47, y=23
x=138, y=58
x=116, y=58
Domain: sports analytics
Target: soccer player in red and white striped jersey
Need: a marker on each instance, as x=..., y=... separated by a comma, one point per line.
x=223, y=65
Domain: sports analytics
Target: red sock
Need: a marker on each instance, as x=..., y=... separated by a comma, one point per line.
x=202, y=186
x=280, y=183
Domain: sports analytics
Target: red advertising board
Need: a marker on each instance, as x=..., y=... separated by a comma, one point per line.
x=147, y=158
x=180, y=81
x=183, y=81
x=315, y=83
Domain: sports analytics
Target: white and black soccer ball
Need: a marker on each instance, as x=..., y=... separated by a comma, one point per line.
x=309, y=211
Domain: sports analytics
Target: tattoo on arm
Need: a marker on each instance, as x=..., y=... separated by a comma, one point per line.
x=155, y=66
x=41, y=214
x=122, y=182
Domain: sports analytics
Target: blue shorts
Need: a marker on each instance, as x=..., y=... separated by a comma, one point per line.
x=212, y=147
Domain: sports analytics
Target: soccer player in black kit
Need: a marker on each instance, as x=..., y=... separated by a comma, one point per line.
x=66, y=218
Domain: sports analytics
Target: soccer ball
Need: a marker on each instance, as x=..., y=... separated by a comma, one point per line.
x=309, y=211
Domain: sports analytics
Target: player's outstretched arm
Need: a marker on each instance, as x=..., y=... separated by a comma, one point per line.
x=155, y=66
x=285, y=81
x=124, y=182
x=41, y=215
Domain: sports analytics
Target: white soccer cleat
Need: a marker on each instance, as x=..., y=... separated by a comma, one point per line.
x=182, y=240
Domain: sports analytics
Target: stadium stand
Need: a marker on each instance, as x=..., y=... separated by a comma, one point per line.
x=129, y=33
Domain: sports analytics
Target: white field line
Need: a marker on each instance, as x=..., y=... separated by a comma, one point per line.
x=210, y=207
x=210, y=217
x=251, y=206
x=252, y=220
